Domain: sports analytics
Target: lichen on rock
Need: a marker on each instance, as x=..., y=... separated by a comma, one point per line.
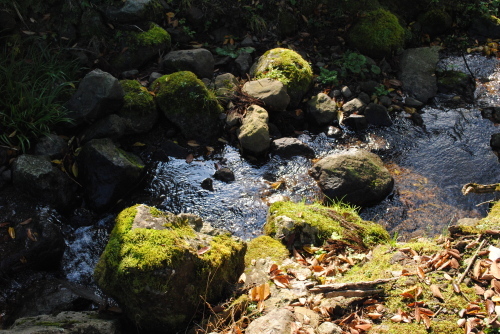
x=157, y=266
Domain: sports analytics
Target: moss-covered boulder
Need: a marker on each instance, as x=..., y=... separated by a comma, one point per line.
x=139, y=108
x=161, y=269
x=254, y=131
x=265, y=247
x=314, y=223
x=471, y=226
x=377, y=34
x=138, y=47
x=186, y=102
x=288, y=67
x=358, y=177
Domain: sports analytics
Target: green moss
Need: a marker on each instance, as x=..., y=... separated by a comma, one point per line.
x=153, y=37
x=265, y=246
x=288, y=67
x=130, y=158
x=452, y=78
x=377, y=34
x=137, y=99
x=336, y=221
x=438, y=326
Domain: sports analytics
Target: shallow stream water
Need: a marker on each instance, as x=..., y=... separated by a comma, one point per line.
x=430, y=165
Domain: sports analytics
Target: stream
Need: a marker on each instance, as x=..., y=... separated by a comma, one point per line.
x=430, y=164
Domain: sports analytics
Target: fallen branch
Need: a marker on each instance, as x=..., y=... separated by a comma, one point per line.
x=472, y=260
x=351, y=286
x=480, y=188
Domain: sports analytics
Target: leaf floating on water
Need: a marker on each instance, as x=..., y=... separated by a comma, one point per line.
x=12, y=232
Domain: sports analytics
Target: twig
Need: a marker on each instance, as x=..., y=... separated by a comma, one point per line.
x=468, y=68
x=473, y=259
x=351, y=286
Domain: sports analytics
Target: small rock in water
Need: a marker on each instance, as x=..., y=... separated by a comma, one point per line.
x=334, y=132
x=208, y=184
x=417, y=119
x=224, y=174
x=413, y=103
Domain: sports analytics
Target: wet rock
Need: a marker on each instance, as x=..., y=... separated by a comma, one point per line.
x=413, y=103
x=289, y=147
x=66, y=322
x=247, y=41
x=356, y=122
x=277, y=321
x=417, y=119
x=208, y=184
x=224, y=174
x=418, y=68
x=35, y=175
x=99, y=94
x=254, y=132
x=329, y=328
x=495, y=141
x=112, y=126
x=37, y=244
x=199, y=61
x=51, y=145
x=355, y=105
x=179, y=266
x=334, y=131
x=456, y=82
x=139, y=113
x=295, y=73
x=322, y=108
x=186, y=102
x=107, y=172
x=377, y=114
x=358, y=177
x=272, y=92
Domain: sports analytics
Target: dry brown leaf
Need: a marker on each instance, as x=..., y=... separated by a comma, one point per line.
x=31, y=235
x=374, y=315
x=26, y=222
x=448, y=277
x=363, y=327
x=420, y=273
x=436, y=292
x=417, y=314
x=495, y=285
x=427, y=321
x=12, y=232
x=193, y=143
x=456, y=287
x=488, y=294
x=494, y=270
x=477, y=269
x=490, y=306
x=479, y=290
x=454, y=263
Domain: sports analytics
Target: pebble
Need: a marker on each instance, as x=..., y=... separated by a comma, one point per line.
x=346, y=92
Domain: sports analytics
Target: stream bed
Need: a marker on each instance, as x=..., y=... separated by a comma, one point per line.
x=430, y=164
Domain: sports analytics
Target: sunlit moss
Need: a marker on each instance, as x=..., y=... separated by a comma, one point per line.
x=263, y=247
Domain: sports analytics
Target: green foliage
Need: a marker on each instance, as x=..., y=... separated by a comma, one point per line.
x=328, y=77
x=35, y=82
x=233, y=51
x=381, y=90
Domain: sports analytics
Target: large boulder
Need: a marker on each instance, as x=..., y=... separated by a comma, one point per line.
x=139, y=109
x=161, y=267
x=358, y=177
x=377, y=34
x=99, y=94
x=186, y=102
x=271, y=92
x=90, y=322
x=139, y=47
x=35, y=175
x=323, y=109
x=418, y=72
x=304, y=224
x=199, y=61
x=288, y=67
x=254, y=131
x=107, y=172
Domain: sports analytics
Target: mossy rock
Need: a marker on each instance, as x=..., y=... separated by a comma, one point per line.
x=490, y=222
x=139, y=108
x=314, y=223
x=186, y=102
x=263, y=247
x=288, y=67
x=377, y=34
x=161, y=270
x=435, y=21
x=140, y=47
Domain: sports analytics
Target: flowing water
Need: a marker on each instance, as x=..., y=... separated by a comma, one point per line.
x=430, y=164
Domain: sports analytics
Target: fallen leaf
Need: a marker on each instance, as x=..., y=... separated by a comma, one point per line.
x=203, y=250
x=490, y=306
x=26, y=222
x=456, y=287
x=427, y=321
x=12, y=232
x=420, y=273
x=74, y=169
x=29, y=33
x=243, y=278
x=494, y=270
x=436, y=292
x=138, y=144
x=193, y=143
x=31, y=235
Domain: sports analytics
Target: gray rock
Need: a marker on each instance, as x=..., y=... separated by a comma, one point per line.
x=365, y=98
x=99, y=94
x=107, y=172
x=35, y=175
x=322, y=108
x=130, y=74
x=358, y=177
x=377, y=114
x=305, y=315
x=51, y=145
x=254, y=132
x=133, y=11
x=66, y=322
x=356, y=122
x=495, y=141
x=226, y=85
x=418, y=68
x=199, y=61
x=329, y=328
x=243, y=63
x=112, y=126
x=346, y=92
x=275, y=322
x=413, y=103
x=355, y=105
x=247, y=41
x=385, y=101
x=153, y=76
x=232, y=119
x=224, y=174
x=272, y=92
x=289, y=147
